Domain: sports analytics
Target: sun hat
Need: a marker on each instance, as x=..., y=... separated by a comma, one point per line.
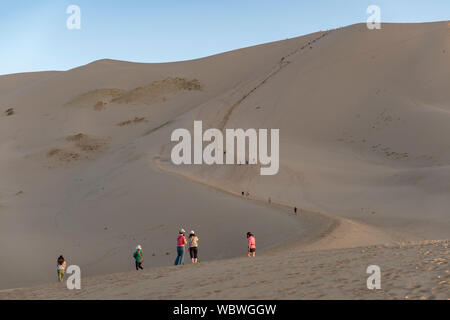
x=192, y=232
x=138, y=247
x=182, y=230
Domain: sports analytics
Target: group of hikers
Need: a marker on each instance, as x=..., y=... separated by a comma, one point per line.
x=181, y=245
x=192, y=243
x=182, y=242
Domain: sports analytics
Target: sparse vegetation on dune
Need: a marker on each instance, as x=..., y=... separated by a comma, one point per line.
x=159, y=91
x=86, y=143
x=82, y=147
x=155, y=92
x=97, y=98
x=136, y=120
x=63, y=155
x=9, y=112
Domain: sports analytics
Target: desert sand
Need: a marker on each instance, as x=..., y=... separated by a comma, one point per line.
x=364, y=154
x=409, y=271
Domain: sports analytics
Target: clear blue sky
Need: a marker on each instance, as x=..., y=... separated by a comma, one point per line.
x=34, y=36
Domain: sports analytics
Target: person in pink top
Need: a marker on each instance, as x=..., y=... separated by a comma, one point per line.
x=251, y=244
x=181, y=243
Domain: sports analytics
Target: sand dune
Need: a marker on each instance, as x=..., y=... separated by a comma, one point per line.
x=410, y=271
x=364, y=154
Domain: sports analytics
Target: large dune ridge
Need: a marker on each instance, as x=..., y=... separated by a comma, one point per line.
x=364, y=120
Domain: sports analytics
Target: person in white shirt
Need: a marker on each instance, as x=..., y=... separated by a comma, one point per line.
x=193, y=247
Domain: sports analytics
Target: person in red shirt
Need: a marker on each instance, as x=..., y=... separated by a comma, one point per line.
x=181, y=243
x=251, y=244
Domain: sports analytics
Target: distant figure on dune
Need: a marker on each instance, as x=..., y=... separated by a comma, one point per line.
x=295, y=210
x=138, y=257
x=181, y=243
x=193, y=246
x=61, y=268
x=251, y=244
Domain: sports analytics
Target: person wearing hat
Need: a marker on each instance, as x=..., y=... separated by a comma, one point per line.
x=138, y=257
x=193, y=246
x=251, y=244
x=181, y=243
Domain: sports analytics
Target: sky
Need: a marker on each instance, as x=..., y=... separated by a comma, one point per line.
x=34, y=35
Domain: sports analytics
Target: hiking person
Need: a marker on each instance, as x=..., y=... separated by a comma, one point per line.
x=61, y=268
x=193, y=246
x=138, y=257
x=251, y=244
x=295, y=210
x=181, y=242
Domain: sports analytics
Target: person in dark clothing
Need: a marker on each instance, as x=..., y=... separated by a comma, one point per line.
x=193, y=247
